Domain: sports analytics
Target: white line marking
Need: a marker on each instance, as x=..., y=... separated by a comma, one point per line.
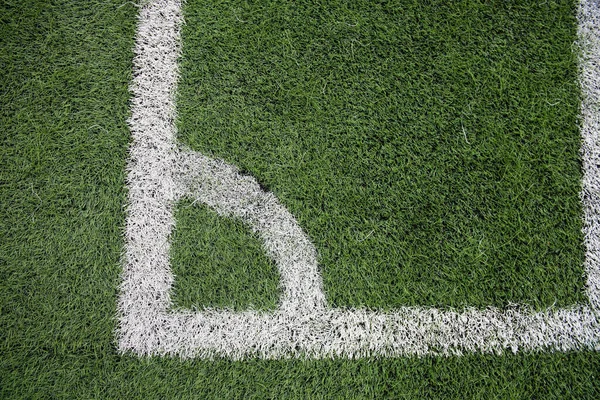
x=160, y=172
x=589, y=77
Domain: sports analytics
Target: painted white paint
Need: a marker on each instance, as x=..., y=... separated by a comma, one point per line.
x=161, y=172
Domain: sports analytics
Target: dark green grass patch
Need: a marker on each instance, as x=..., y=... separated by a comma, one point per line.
x=218, y=262
x=428, y=148
x=63, y=140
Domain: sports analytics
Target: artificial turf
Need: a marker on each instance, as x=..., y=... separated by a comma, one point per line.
x=428, y=148
x=65, y=68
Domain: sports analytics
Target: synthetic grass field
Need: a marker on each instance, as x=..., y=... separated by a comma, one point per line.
x=416, y=143
x=342, y=132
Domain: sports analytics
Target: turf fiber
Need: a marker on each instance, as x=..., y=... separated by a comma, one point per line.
x=66, y=67
x=429, y=149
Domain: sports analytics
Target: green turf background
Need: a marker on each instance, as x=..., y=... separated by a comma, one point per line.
x=63, y=95
x=428, y=148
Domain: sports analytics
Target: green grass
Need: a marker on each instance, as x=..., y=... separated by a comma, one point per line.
x=219, y=263
x=63, y=106
x=428, y=148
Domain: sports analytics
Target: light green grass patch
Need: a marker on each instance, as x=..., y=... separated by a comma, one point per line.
x=219, y=263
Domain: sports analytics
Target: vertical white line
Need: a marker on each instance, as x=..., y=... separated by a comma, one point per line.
x=589, y=62
x=152, y=191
